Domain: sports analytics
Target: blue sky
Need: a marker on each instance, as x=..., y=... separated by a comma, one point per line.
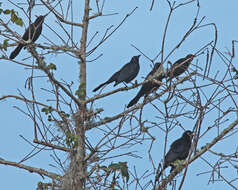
x=143, y=29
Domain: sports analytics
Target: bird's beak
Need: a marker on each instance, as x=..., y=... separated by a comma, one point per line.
x=42, y=16
x=138, y=56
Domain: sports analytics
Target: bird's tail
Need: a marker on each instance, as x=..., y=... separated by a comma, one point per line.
x=111, y=79
x=16, y=51
x=101, y=85
x=116, y=83
x=134, y=100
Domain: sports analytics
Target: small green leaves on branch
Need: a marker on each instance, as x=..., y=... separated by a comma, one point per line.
x=51, y=66
x=64, y=115
x=5, y=44
x=80, y=92
x=114, y=167
x=71, y=140
x=47, y=110
x=14, y=18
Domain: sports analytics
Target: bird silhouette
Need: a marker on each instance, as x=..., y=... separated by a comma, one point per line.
x=148, y=87
x=179, y=150
x=180, y=66
x=126, y=74
x=32, y=33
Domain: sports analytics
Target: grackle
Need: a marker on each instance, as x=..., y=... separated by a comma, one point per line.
x=148, y=87
x=235, y=71
x=180, y=66
x=32, y=33
x=179, y=150
x=126, y=74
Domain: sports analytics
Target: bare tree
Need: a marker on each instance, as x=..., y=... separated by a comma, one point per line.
x=98, y=149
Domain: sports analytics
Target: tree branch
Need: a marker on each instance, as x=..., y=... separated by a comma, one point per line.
x=39, y=171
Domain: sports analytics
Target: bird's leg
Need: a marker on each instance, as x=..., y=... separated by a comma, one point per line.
x=125, y=84
x=28, y=42
x=172, y=168
x=135, y=83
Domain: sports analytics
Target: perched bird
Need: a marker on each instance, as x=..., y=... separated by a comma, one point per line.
x=180, y=66
x=179, y=150
x=236, y=71
x=126, y=74
x=32, y=33
x=148, y=87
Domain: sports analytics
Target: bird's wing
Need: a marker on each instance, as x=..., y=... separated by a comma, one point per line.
x=129, y=68
x=37, y=32
x=30, y=29
x=179, y=61
x=156, y=71
x=152, y=72
x=178, y=146
x=128, y=71
x=150, y=75
x=113, y=78
x=176, y=150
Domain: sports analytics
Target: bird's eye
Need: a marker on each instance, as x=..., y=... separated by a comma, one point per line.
x=189, y=133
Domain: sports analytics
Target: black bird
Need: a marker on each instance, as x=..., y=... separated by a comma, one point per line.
x=148, y=87
x=32, y=33
x=235, y=71
x=179, y=150
x=126, y=74
x=180, y=66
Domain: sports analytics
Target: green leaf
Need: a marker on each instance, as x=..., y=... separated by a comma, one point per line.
x=104, y=168
x=7, y=11
x=47, y=110
x=5, y=44
x=81, y=91
x=71, y=140
x=14, y=18
x=75, y=140
x=44, y=109
x=51, y=66
x=19, y=22
x=68, y=139
x=114, y=166
x=122, y=168
x=63, y=114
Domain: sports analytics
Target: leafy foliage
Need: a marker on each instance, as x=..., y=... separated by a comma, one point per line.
x=71, y=140
x=114, y=167
x=80, y=92
x=47, y=110
x=5, y=44
x=14, y=18
x=51, y=66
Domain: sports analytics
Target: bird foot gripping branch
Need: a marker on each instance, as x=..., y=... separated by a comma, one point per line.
x=126, y=74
